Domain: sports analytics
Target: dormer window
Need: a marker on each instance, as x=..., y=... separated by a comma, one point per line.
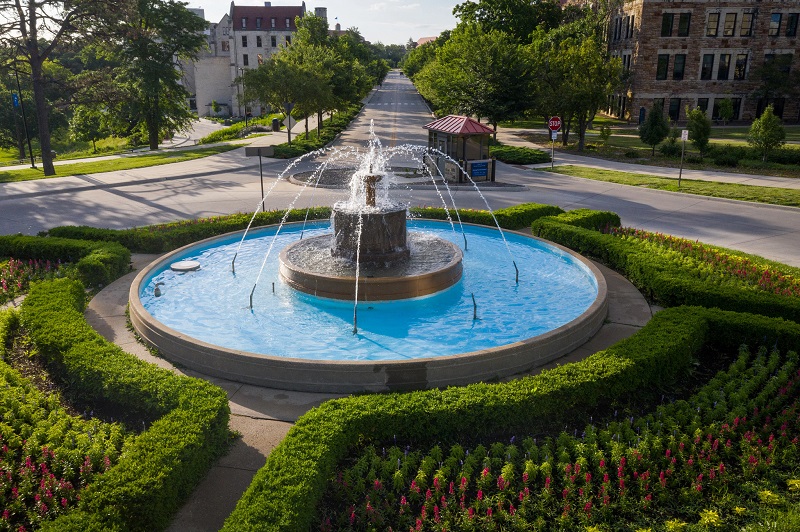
x=273, y=21
x=244, y=22
x=288, y=22
x=258, y=23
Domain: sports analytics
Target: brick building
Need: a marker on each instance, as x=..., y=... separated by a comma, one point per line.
x=244, y=38
x=698, y=53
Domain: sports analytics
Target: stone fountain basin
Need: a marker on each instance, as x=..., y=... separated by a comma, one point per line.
x=334, y=376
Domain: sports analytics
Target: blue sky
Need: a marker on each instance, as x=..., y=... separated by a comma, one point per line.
x=386, y=21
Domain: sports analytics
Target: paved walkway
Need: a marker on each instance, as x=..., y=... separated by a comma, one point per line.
x=263, y=416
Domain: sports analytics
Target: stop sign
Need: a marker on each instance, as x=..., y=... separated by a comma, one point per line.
x=554, y=123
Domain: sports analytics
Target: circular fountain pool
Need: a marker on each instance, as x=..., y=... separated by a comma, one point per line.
x=293, y=340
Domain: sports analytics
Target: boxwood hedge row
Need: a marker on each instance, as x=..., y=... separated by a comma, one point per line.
x=98, y=263
x=654, y=274
x=161, y=466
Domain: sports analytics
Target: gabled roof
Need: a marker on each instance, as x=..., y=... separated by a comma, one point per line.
x=265, y=13
x=459, y=125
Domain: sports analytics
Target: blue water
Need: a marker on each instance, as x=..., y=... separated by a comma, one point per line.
x=213, y=304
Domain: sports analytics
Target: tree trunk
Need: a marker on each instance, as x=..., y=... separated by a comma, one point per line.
x=319, y=123
x=20, y=137
x=42, y=116
x=153, y=121
x=582, y=124
x=306, y=126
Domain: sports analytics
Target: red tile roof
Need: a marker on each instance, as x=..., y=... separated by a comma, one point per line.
x=459, y=125
x=265, y=13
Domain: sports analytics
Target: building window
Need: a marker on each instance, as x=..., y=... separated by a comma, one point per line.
x=746, y=29
x=288, y=40
x=667, y=20
x=244, y=41
x=273, y=41
x=730, y=25
x=244, y=22
x=617, y=28
x=258, y=41
x=674, y=108
x=627, y=23
x=288, y=22
x=226, y=46
x=737, y=105
x=702, y=104
x=658, y=103
x=245, y=60
x=791, y=24
x=708, y=66
x=260, y=59
x=258, y=23
x=713, y=24
x=775, y=25
x=273, y=21
x=683, y=24
x=631, y=31
x=740, y=70
x=663, y=66
x=678, y=66
x=724, y=66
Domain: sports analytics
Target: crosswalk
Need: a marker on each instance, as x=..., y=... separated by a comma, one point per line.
x=416, y=104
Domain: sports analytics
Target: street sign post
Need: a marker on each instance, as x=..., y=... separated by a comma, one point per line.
x=554, y=124
x=684, y=138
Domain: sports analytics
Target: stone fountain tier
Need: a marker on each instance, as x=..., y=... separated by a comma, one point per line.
x=433, y=264
x=383, y=235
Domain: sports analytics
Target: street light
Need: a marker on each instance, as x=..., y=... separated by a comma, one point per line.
x=24, y=119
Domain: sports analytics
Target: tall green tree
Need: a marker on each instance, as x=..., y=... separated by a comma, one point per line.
x=573, y=74
x=156, y=35
x=655, y=128
x=699, y=126
x=517, y=18
x=766, y=133
x=477, y=73
x=88, y=124
x=277, y=82
x=31, y=32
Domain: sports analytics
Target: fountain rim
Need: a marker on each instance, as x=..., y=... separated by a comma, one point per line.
x=189, y=352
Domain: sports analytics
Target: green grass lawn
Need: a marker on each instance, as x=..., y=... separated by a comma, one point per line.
x=773, y=196
x=122, y=163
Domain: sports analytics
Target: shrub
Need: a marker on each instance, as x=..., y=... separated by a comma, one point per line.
x=516, y=217
x=518, y=154
x=632, y=154
x=671, y=148
x=161, y=466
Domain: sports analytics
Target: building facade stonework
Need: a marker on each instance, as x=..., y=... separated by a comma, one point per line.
x=243, y=39
x=696, y=54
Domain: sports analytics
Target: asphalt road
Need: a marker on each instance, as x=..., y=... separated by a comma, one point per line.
x=229, y=183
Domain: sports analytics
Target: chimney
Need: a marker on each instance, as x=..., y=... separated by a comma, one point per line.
x=267, y=4
x=321, y=12
x=338, y=27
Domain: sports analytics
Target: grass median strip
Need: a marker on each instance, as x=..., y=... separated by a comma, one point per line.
x=127, y=162
x=774, y=196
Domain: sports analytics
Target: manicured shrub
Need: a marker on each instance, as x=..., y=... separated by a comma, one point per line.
x=516, y=217
x=162, y=465
x=519, y=154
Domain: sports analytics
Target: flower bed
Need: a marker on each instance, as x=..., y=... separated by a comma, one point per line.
x=692, y=461
x=16, y=275
x=157, y=468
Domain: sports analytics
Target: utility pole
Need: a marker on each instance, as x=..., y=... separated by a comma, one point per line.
x=24, y=119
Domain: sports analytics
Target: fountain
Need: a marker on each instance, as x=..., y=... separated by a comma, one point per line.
x=430, y=314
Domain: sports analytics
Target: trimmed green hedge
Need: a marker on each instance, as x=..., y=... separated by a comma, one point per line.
x=285, y=492
x=160, y=467
x=654, y=275
x=166, y=237
x=97, y=263
x=519, y=154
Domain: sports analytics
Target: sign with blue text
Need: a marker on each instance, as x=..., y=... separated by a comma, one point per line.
x=480, y=169
x=15, y=99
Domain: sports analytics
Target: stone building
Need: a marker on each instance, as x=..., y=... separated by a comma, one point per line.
x=696, y=54
x=244, y=38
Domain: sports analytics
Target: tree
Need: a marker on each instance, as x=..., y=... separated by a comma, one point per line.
x=517, y=18
x=655, y=128
x=156, y=36
x=573, y=74
x=766, y=133
x=477, y=73
x=775, y=79
x=30, y=32
x=725, y=110
x=277, y=81
x=88, y=125
x=699, y=127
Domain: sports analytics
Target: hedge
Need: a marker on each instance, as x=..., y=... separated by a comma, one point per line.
x=98, y=263
x=654, y=275
x=166, y=237
x=285, y=492
x=160, y=467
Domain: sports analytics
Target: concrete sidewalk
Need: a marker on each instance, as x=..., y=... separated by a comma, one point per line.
x=510, y=136
x=263, y=416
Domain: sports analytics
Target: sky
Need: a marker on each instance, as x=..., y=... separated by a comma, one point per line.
x=386, y=21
